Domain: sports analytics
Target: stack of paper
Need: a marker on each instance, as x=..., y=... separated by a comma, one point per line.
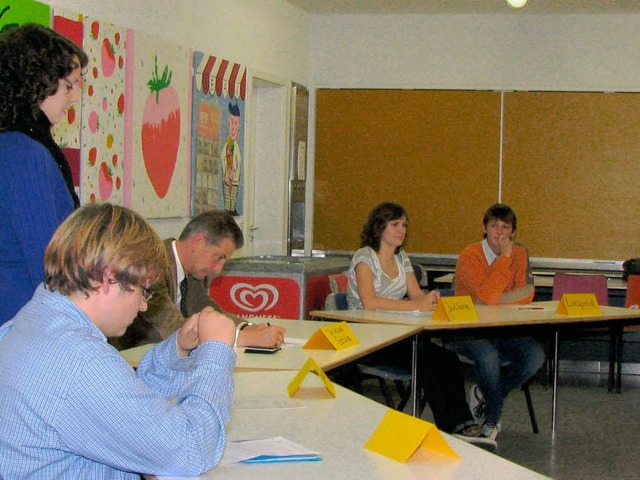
x=267, y=450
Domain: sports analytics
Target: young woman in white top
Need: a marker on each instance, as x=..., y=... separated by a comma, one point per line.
x=380, y=273
x=381, y=278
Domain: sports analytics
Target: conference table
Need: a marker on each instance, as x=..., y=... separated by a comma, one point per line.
x=541, y=280
x=292, y=356
x=521, y=319
x=337, y=429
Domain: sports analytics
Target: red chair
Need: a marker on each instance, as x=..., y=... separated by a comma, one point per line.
x=338, y=282
x=317, y=290
x=337, y=298
x=574, y=283
x=632, y=299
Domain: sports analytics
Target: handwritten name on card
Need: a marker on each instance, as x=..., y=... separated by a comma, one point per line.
x=453, y=309
x=578, y=305
x=333, y=337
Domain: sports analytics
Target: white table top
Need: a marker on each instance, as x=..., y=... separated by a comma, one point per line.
x=338, y=429
x=293, y=357
x=542, y=313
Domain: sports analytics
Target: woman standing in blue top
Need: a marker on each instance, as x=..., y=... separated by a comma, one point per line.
x=40, y=78
x=381, y=278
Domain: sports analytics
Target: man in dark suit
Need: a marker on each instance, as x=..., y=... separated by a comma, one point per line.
x=202, y=249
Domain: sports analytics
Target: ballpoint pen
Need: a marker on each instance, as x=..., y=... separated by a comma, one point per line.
x=530, y=308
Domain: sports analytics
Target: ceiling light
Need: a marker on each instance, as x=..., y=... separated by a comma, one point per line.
x=516, y=3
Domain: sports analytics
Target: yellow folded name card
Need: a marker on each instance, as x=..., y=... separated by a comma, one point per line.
x=332, y=337
x=310, y=365
x=458, y=308
x=578, y=305
x=399, y=436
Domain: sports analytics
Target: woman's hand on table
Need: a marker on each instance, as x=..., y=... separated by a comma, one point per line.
x=429, y=301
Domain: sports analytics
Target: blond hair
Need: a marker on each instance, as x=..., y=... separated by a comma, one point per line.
x=98, y=238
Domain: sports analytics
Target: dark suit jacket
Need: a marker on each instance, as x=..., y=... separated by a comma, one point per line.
x=163, y=316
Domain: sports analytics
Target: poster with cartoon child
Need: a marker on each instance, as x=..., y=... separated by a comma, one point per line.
x=219, y=90
x=231, y=162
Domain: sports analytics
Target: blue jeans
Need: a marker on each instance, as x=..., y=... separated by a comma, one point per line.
x=501, y=365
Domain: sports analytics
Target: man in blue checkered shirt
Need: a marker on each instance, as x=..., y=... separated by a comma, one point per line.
x=70, y=405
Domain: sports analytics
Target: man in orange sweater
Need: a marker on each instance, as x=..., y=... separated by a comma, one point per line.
x=496, y=271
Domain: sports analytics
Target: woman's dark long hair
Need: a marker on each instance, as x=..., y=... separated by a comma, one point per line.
x=378, y=220
x=33, y=59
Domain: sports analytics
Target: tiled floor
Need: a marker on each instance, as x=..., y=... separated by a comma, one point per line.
x=597, y=433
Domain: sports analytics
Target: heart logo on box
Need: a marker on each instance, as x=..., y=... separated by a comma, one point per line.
x=252, y=298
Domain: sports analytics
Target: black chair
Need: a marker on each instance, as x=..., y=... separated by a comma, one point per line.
x=336, y=301
x=400, y=377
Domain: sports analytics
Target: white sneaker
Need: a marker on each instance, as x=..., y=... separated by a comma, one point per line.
x=476, y=404
x=476, y=438
x=490, y=431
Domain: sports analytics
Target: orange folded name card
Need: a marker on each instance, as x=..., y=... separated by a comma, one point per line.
x=399, y=436
x=333, y=337
x=459, y=308
x=578, y=305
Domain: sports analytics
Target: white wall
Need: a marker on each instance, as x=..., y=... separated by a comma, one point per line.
x=500, y=52
x=270, y=37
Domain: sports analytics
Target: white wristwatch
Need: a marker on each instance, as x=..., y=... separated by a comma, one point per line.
x=239, y=327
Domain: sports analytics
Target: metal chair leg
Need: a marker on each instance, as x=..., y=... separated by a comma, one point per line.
x=385, y=392
x=532, y=413
x=404, y=392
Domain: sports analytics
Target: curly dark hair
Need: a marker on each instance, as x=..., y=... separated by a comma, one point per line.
x=378, y=219
x=33, y=59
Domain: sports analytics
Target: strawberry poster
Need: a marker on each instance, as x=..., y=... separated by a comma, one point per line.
x=218, y=113
x=103, y=112
x=158, y=144
x=66, y=132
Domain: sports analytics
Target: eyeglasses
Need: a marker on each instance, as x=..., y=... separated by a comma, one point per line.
x=146, y=293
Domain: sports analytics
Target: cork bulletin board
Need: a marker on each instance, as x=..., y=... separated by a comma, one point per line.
x=435, y=152
x=569, y=166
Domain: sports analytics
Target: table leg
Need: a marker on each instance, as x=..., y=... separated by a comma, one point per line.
x=415, y=386
x=611, y=382
x=619, y=346
x=554, y=393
